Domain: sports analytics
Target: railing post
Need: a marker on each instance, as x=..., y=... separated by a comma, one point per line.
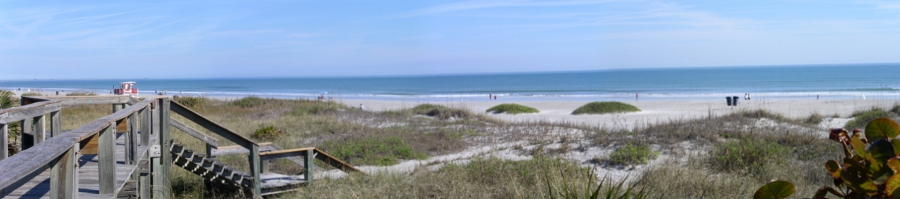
x=144, y=179
x=4, y=141
x=39, y=126
x=55, y=124
x=116, y=107
x=64, y=174
x=107, y=159
x=24, y=128
x=145, y=126
x=255, y=170
x=309, y=166
x=161, y=183
x=131, y=139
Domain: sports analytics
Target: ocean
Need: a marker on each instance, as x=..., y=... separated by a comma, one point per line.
x=850, y=81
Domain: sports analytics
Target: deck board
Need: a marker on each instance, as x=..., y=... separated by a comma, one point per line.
x=88, y=177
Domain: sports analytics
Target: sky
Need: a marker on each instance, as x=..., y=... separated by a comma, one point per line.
x=213, y=39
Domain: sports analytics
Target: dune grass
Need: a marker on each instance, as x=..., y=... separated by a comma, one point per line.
x=861, y=118
x=712, y=171
x=604, y=108
x=511, y=108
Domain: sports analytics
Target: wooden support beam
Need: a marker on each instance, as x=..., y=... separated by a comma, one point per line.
x=161, y=181
x=144, y=179
x=64, y=175
x=131, y=140
x=107, y=160
x=194, y=132
x=309, y=166
x=271, y=155
x=4, y=141
x=55, y=124
x=38, y=133
x=25, y=128
x=255, y=171
x=145, y=126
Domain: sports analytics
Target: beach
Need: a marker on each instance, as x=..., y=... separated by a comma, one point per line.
x=651, y=111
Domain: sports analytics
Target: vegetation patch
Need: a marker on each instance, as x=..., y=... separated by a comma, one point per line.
x=605, y=107
x=440, y=112
x=631, y=154
x=31, y=94
x=190, y=102
x=81, y=93
x=317, y=108
x=380, y=151
x=267, y=133
x=748, y=155
x=249, y=101
x=861, y=118
x=511, y=108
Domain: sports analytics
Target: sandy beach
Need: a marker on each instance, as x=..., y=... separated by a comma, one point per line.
x=652, y=111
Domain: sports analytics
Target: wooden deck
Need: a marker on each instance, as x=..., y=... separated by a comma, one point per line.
x=88, y=175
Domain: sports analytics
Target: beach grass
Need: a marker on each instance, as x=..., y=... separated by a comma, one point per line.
x=512, y=108
x=604, y=108
x=631, y=154
x=861, y=118
x=727, y=156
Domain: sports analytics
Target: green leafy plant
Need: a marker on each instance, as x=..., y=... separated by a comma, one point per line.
x=573, y=191
x=267, y=133
x=632, y=154
x=775, y=190
x=511, y=108
x=249, y=101
x=440, y=112
x=605, y=107
x=191, y=102
x=870, y=168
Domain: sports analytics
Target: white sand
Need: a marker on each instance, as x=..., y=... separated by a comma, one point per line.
x=652, y=111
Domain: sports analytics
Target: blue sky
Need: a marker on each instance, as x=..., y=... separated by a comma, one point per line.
x=202, y=39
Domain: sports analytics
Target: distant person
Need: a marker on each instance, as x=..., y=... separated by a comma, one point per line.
x=361, y=107
x=490, y=95
x=635, y=97
x=817, y=96
x=495, y=97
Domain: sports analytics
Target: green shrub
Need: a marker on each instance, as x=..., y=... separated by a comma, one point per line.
x=605, y=107
x=7, y=99
x=815, y=118
x=249, y=101
x=191, y=102
x=860, y=119
x=267, y=133
x=631, y=154
x=373, y=151
x=746, y=155
x=512, y=109
x=31, y=94
x=440, y=112
x=317, y=108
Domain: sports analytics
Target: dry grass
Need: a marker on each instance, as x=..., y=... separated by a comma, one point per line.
x=774, y=146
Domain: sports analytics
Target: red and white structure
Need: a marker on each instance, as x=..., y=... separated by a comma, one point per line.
x=127, y=88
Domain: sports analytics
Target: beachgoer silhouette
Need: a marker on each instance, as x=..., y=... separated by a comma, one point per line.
x=361, y=107
x=490, y=95
x=495, y=97
x=817, y=96
x=635, y=97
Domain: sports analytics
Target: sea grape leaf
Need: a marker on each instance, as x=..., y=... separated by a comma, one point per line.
x=879, y=152
x=894, y=164
x=881, y=128
x=775, y=190
x=858, y=146
x=881, y=176
x=869, y=188
x=892, y=184
x=896, y=144
x=835, y=169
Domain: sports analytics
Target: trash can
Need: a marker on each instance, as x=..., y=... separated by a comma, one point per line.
x=735, y=100
x=728, y=99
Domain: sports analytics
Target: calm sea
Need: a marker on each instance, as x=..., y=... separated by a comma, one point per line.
x=875, y=81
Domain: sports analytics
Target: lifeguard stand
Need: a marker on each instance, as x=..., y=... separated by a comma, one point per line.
x=127, y=88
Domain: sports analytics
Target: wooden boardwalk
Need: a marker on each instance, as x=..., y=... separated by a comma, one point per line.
x=128, y=154
x=88, y=177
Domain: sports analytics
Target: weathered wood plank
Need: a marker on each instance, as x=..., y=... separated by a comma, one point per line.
x=193, y=132
x=255, y=170
x=76, y=100
x=145, y=126
x=335, y=162
x=212, y=126
x=55, y=124
x=107, y=160
x=39, y=134
x=24, y=112
x=4, y=141
x=63, y=175
x=161, y=181
x=308, y=165
x=271, y=155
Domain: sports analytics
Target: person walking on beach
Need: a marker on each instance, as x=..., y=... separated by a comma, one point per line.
x=490, y=95
x=361, y=107
x=495, y=97
x=817, y=96
x=635, y=97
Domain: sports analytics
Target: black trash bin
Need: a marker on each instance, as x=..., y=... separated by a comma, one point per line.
x=734, y=100
x=729, y=100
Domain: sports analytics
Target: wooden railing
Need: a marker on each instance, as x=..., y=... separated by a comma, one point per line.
x=59, y=152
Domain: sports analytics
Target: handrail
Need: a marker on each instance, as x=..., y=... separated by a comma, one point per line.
x=213, y=142
x=28, y=111
x=73, y=100
x=212, y=126
x=38, y=157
